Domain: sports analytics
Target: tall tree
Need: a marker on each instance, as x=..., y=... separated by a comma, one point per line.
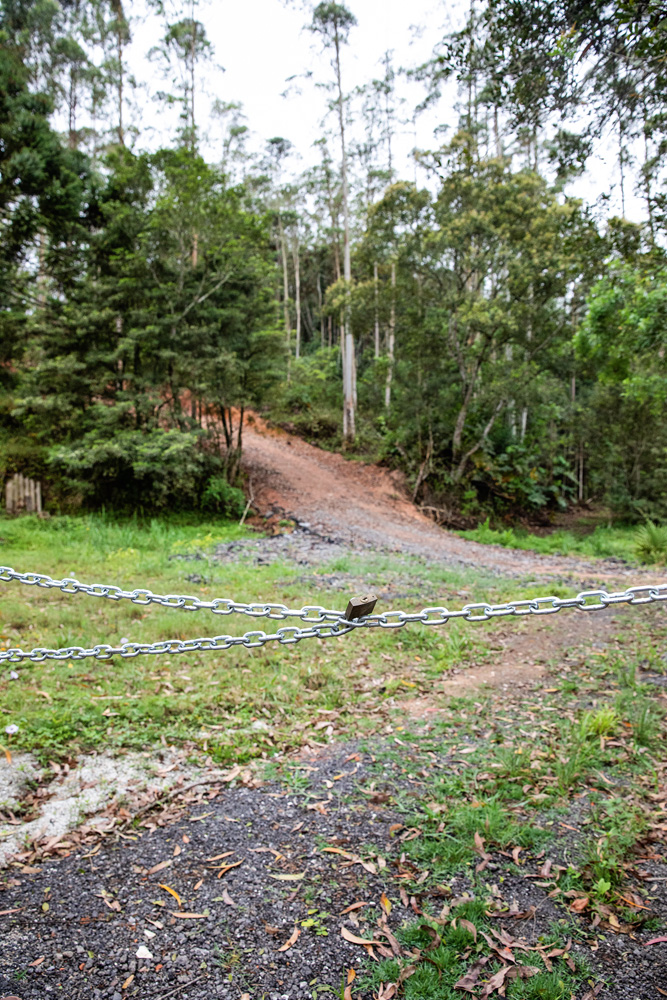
x=332, y=22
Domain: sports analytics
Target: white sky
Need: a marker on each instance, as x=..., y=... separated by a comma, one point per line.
x=261, y=43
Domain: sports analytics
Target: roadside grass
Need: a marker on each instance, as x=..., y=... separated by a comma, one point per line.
x=604, y=542
x=234, y=705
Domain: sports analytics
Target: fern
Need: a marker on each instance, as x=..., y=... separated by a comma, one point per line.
x=651, y=543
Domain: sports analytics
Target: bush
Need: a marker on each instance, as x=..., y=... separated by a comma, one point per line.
x=221, y=498
x=651, y=543
x=151, y=470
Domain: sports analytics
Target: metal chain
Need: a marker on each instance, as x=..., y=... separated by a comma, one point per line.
x=324, y=623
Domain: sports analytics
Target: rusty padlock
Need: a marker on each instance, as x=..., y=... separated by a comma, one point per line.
x=359, y=606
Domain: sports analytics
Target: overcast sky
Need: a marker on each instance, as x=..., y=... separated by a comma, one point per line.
x=262, y=43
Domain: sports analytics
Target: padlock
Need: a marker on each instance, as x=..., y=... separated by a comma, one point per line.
x=360, y=606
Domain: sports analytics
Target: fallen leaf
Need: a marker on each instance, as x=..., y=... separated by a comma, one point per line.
x=219, y=857
x=172, y=892
x=658, y=940
x=469, y=981
x=38, y=961
x=591, y=995
x=385, y=904
x=226, y=898
x=288, y=878
x=291, y=940
x=386, y=992
x=198, y=884
x=17, y=909
x=348, y=909
x=468, y=926
x=510, y=972
x=128, y=982
x=579, y=905
x=158, y=868
x=226, y=868
x=353, y=939
x=189, y=916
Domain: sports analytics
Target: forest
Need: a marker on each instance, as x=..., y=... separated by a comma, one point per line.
x=474, y=322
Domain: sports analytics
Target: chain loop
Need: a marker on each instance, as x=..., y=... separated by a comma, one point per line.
x=322, y=622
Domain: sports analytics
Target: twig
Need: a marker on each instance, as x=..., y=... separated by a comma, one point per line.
x=178, y=989
x=247, y=506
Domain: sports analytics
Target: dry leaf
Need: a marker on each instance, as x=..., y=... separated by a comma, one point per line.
x=350, y=908
x=353, y=939
x=17, y=909
x=189, y=916
x=38, y=961
x=469, y=981
x=288, y=878
x=219, y=857
x=226, y=898
x=199, y=884
x=172, y=892
x=579, y=905
x=510, y=972
x=128, y=982
x=385, y=904
x=468, y=926
x=158, y=868
x=226, y=868
x=291, y=940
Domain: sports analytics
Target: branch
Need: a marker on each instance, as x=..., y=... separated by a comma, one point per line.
x=487, y=430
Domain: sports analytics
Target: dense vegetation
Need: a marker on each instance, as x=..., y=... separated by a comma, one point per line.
x=484, y=330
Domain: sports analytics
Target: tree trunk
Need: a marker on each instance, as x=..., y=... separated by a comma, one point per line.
x=120, y=17
x=297, y=296
x=460, y=469
x=319, y=303
x=286, y=316
x=377, y=315
x=348, y=354
x=391, y=339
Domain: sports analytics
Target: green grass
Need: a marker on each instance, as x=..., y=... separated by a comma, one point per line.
x=619, y=542
x=234, y=705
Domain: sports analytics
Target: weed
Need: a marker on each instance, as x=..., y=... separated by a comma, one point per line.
x=602, y=722
x=651, y=543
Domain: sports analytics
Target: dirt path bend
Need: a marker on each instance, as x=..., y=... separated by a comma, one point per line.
x=367, y=506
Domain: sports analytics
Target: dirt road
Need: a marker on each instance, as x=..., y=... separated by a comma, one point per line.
x=369, y=506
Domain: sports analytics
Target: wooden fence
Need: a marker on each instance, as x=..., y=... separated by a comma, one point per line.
x=23, y=495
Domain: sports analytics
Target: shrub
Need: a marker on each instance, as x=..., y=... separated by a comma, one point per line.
x=221, y=498
x=651, y=543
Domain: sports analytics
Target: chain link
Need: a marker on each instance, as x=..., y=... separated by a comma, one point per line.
x=323, y=622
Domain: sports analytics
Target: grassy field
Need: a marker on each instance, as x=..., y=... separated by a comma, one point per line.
x=633, y=544
x=581, y=752
x=217, y=701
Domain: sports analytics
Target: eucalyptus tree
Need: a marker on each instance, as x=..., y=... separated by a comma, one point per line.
x=332, y=22
x=180, y=51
